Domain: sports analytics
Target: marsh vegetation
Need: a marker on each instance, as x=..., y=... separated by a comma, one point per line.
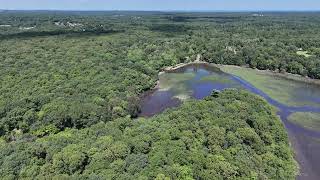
x=286, y=91
x=306, y=119
x=71, y=88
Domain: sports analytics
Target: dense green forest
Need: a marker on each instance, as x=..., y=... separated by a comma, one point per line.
x=72, y=82
x=229, y=135
x=287, y=42
x=74, y=69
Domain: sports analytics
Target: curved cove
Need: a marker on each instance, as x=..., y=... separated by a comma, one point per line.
x=199, y=80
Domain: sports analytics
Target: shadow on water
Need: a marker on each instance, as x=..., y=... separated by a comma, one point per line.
x=306, y=142
x=157, y=102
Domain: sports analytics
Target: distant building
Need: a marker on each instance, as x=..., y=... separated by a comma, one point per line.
x=257, y=15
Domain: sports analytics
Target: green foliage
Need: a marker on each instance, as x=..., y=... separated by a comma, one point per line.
x=72, y=69
x=234, y=135
x=70, y=83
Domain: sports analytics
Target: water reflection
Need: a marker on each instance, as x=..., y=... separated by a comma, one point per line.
x=198, y=81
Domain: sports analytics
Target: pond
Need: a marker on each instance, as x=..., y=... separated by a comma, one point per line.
x=192, y=81
x=199, y=80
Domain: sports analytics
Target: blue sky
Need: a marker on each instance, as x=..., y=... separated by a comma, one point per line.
x=194, y=5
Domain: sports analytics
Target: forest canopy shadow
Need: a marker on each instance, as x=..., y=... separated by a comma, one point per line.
x=169, y=28
x=32, y=34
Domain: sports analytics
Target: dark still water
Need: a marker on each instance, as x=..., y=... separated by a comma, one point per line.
x=194, y=81
x=199, y=80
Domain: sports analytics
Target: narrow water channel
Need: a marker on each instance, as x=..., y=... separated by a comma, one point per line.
x=199, y=80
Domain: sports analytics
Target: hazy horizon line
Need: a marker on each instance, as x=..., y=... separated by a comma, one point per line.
x=146, y=10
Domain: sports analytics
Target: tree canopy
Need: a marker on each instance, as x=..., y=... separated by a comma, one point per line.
x=71, y=84
x=74, y=69
x=229, y=135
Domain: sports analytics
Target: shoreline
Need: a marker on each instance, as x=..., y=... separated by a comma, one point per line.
x=288, y=76
x=297, y=140
x=181, y=65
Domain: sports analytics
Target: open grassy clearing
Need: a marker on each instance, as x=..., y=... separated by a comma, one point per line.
x=306, y=119
x=304, y=53
x=288, y=92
